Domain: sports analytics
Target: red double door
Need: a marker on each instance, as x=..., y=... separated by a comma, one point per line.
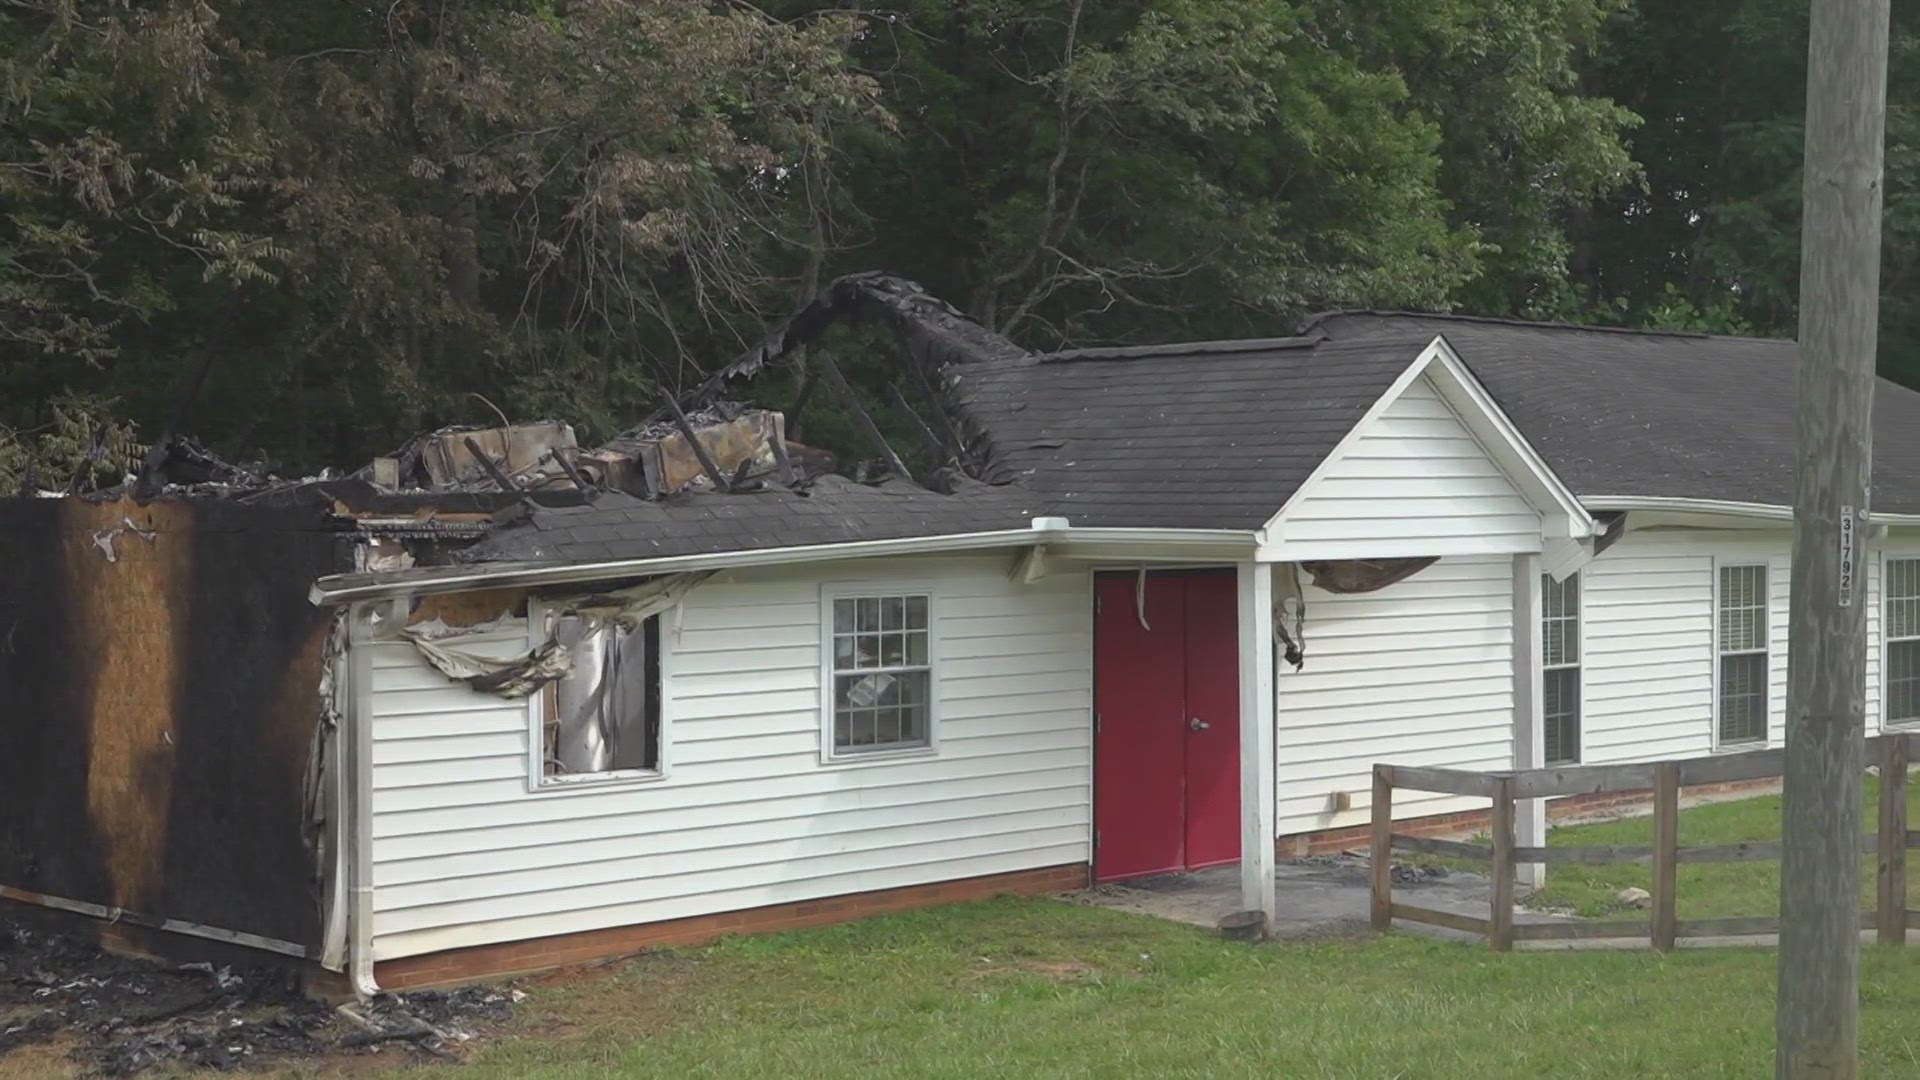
x=1167, y=743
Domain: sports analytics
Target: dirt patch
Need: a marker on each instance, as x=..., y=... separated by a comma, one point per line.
x=107, y=1015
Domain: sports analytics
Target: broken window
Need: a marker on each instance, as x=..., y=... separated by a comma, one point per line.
x=882, y=693
x=603, y=717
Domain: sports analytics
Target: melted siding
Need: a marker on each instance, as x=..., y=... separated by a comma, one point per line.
x=747, y=815
x=1414, y=482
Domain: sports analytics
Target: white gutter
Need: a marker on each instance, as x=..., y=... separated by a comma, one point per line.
x=1048, y=530
x=1676, y=504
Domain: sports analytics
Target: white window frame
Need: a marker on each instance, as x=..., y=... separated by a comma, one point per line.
x=1579, y=620
x=538, y=783
x=1887, y=640
x=1766, y=666
x=855, y=590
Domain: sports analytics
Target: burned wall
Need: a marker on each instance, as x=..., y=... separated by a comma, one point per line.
x=159, y=693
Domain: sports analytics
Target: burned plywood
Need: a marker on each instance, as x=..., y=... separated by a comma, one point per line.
x=159, y=706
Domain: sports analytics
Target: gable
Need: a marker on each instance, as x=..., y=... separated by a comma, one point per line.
x=1411, y=479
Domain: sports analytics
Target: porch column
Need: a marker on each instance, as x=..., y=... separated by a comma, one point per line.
x=1258, y=799
x=1529, y=711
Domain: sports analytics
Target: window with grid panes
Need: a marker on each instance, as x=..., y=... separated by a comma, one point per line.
x=1740, y=685
x=1560, y=667
x=1900, y=623
x=882, y=675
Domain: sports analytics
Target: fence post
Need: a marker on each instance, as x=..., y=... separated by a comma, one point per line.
x=1666, y=845
x=1381, y=866
x=1891, y=916
x=1500, y=928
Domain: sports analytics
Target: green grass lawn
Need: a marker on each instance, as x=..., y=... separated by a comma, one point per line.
x=1028, y=987
x=1036, y=987
x=1705, y=890
x=1023, y=987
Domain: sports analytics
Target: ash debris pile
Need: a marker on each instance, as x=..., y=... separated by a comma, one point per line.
x=122, y=1016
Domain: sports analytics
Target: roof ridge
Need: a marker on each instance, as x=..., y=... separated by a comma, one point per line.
x=1223, y=345
x=1314, y=320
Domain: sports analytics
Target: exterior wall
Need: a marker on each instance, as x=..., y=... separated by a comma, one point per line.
x=1648, y=648
x=746, y=814
x=160, y=672
x=1413, y=482
x=1418, y=673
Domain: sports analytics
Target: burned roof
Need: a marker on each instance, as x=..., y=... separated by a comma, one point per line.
x=1199, y=435
x=1652, y=413
x=831, y=510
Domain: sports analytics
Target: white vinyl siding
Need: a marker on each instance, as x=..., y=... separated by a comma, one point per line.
x=1901, y=622
x=1743, y=629
x=1417, y=673
x=464, y=854
x=1413, y=482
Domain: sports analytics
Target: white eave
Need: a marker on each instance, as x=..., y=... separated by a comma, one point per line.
x=1148, y=545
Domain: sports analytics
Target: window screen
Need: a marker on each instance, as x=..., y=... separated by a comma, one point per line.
x=1901, y=627
x=1742, y=676
x=1560, y=663
x=882, y=673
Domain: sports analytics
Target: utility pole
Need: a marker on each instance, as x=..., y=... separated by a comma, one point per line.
x=1817, y=1016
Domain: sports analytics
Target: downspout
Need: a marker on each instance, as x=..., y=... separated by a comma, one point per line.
x=363, y=620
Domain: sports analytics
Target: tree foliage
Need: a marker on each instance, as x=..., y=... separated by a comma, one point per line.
x=387, y=217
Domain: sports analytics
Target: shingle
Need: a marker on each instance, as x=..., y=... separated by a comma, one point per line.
x=1664, y=414
x=1196, y=435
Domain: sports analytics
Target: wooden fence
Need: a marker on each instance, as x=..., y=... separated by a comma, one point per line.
x=1890, y=842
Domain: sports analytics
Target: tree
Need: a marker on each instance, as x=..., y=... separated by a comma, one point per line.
x=557, y=202
x=1709, y=237
x=1162, y=168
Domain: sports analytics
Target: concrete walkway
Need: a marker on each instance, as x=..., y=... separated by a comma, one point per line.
x=1321, y=896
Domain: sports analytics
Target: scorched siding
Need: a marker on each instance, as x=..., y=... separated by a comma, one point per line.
x=747, y=814
x=1418, y=673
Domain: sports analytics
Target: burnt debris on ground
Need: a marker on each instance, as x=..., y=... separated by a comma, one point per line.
x=124, y=1016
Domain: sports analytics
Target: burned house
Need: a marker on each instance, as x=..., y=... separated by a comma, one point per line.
x=501, y=703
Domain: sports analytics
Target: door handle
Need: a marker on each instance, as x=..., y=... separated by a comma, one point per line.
x=1197, y=724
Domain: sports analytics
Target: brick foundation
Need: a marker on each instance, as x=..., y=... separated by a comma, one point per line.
x=561, y=950
x=1563, y=811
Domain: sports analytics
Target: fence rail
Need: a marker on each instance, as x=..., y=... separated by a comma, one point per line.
x=1889, y=843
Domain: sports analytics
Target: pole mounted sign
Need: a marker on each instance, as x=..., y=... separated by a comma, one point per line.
x=1847, y=550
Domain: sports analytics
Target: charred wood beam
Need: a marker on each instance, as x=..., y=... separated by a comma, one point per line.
x=699, y=450
x=809, y=378
x=845, y=389
x=952, y=434
x=779, y=447
x=936, y=449
x=573, y=471
x=932, y=331
x=494, y=471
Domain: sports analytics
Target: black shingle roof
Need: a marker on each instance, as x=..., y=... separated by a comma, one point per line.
x=1204, y=435
x=1624, y=412
x=1219, y=434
